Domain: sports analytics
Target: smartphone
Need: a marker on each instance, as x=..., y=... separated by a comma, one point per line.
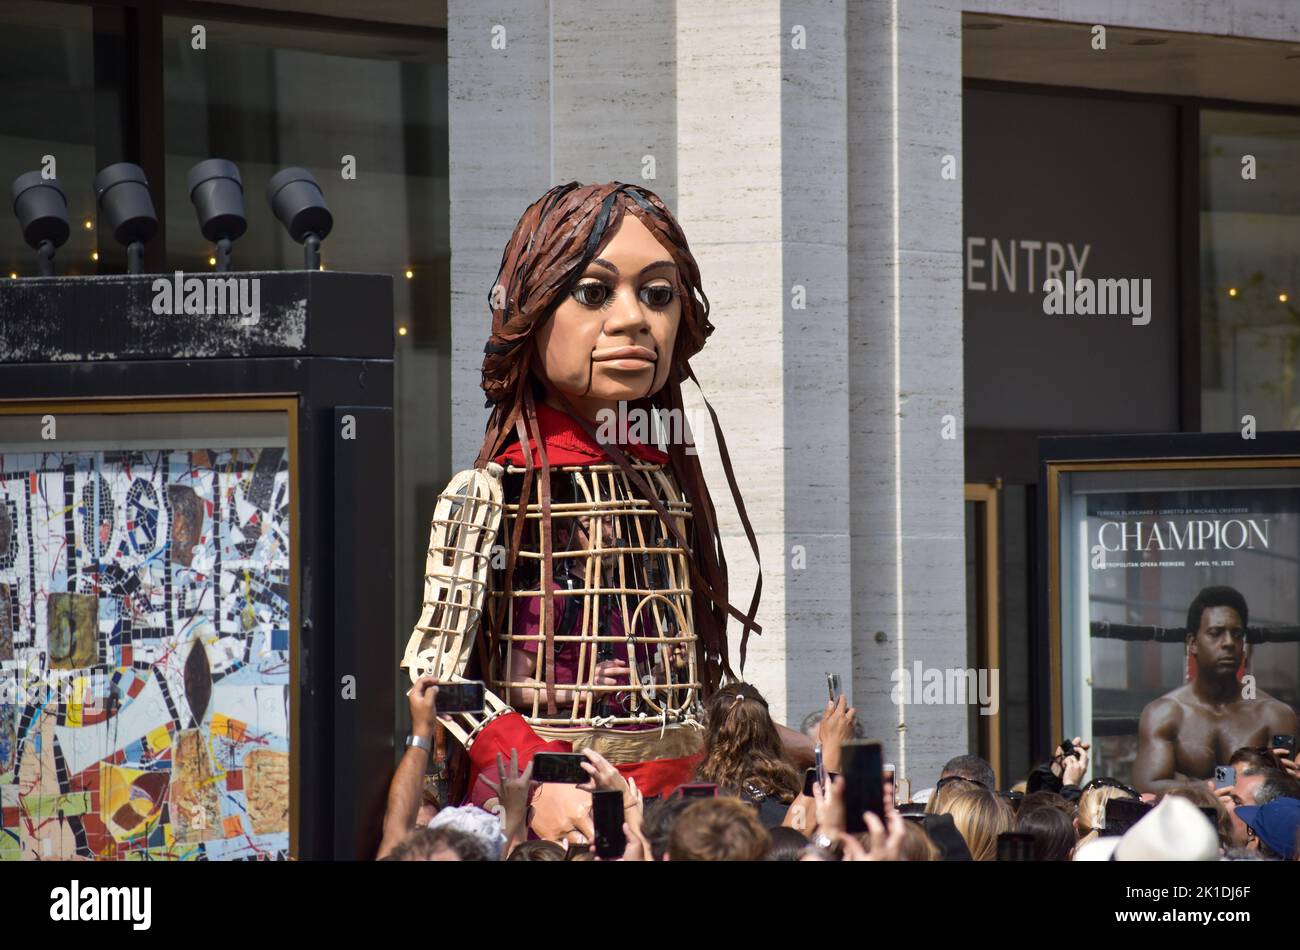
x=1068, y=745
x=810, y=779
x=459, y=697
x=1015, y=846
x=864, y=789
x=833, y=688
x=607, y=821
x=820, y=766
x=696, y=790
x=887, y=772
x=1283, y=742
x=1122, y=814
x=1224, y=775
x=564, y=768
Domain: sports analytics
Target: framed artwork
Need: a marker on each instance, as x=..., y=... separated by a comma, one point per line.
x=148, y=613
x=1173, y=604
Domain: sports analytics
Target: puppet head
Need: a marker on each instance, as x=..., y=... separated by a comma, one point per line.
x=582, y=332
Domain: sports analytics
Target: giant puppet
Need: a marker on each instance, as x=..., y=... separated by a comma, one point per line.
x=577, y=568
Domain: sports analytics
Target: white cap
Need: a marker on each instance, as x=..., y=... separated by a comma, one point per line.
x=1175, y=830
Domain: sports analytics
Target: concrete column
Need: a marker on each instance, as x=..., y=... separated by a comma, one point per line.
x=905, y=369
x=818, y=617
x=576, y=93
x=499, y=131
x=729, y=159
x=613, y=116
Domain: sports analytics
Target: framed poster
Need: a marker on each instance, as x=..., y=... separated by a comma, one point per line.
x=147, y=610
x=1173, y=599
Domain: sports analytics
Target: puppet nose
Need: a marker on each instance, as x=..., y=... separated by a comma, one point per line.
x=625, y=316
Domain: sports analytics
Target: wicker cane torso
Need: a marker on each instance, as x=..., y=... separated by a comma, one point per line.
x=621, y=591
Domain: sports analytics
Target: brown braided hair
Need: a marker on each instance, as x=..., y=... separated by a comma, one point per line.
x=556, y=238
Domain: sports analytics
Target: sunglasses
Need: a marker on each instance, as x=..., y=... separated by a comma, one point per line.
x=957, y=778
x=1112, y=783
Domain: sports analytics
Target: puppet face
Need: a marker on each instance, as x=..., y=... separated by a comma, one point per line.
x=561, y=813
x=612, y=338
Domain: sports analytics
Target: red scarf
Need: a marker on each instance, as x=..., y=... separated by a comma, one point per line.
x=568, y=444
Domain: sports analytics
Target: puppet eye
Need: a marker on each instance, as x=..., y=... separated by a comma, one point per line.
x=592, y=293
x=658, y=296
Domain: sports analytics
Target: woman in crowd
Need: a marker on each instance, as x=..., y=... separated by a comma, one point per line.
x=980, y=816
x=1053, y=833
x=744, y=755
x=1092, y=807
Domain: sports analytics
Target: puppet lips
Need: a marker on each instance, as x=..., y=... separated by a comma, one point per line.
x=629, y=355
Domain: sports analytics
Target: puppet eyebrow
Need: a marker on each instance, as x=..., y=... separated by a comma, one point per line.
x=649, y=267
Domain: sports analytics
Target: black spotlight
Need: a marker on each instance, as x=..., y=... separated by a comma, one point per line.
x=218, y=196
x=297, y=201
x=42, y=211
x=122, y=193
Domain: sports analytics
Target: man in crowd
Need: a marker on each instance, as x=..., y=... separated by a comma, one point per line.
x=1255, y=786
x=971, y=768
x=405, y=792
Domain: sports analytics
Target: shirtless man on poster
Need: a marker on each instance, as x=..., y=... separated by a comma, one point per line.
x=1185, y=733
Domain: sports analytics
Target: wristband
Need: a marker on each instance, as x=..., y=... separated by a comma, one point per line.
x=419, y=743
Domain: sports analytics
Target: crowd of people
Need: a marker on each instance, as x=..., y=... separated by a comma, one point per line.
x=748, y=803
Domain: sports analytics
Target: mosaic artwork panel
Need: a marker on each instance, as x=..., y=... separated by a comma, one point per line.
x=144, y=654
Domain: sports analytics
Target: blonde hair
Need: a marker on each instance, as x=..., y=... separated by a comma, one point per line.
x=980, y=816
x=1092, y=811
x=942, y=796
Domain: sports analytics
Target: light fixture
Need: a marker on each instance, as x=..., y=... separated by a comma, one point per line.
x=212, y=262
x=401, y=331
x=122, y=193
x=296, y=200
x=1283, y=298
x=215, y=188
x=42, y=211
x=1232, y=291
x=13, y=275
x=89, y=224
x=409, y=273
x=94, y=255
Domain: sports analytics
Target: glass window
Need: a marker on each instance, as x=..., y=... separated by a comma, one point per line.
x=267, y=97
x=1250, y=270
x=47, y=74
